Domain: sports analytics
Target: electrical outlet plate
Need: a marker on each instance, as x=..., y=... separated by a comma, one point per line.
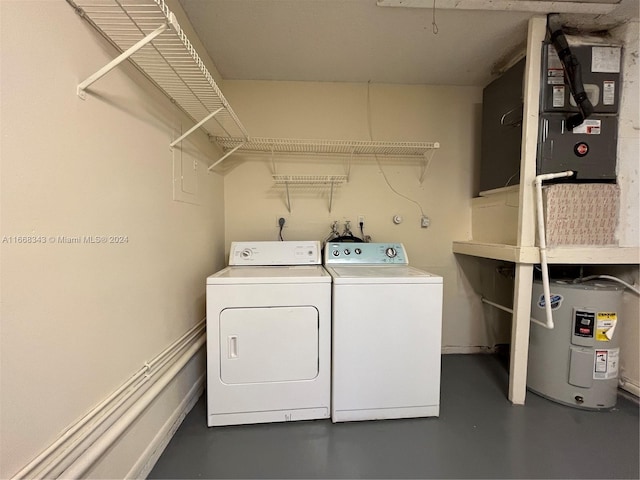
x=425, y=221
x=286, y=221
x=360, y=219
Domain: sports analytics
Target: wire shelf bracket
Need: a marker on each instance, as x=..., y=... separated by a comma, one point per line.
x=82, y=86
x=424, y=165
x=195, y=127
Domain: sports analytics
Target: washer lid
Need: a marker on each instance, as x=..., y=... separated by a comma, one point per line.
x=381, y=274
x=273, y=274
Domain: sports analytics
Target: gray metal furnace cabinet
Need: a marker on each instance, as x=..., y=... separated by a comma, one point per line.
x=502, y=103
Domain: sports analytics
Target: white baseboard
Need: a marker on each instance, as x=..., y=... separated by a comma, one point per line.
x=630, y=386
x=150, y=456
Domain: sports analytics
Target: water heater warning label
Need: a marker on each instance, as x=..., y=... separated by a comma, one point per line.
x=606, y=364
x=606, y=326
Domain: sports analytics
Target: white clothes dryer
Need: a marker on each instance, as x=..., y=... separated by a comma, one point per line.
x=386, y=328
x=269, y=335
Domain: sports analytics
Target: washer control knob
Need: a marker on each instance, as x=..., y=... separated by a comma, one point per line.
x=357, y=251
x=347, y=251
x=246, y=253
x=391, y=252
x=336, y=253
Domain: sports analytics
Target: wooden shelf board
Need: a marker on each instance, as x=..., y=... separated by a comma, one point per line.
x=555, y=255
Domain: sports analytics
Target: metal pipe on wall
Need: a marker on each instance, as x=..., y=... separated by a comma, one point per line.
x=74, y=451
x=509, y=310
x=95, y=451
x=38, y=468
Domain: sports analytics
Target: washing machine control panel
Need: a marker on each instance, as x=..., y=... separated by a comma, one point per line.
x=365, y=253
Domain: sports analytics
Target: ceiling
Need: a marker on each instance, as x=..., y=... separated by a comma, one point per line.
x=365, y=40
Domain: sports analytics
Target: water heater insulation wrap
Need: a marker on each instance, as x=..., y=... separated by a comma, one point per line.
x=576, y=363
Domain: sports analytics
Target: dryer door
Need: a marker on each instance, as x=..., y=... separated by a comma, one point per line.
x=268, y=344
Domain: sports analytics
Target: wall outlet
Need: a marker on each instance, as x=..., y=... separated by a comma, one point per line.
x=286, y=221
x=360, y=220
x=425, y=221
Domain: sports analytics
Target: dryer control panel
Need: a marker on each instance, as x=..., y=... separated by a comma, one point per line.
x=275, y=253
x=365, y=253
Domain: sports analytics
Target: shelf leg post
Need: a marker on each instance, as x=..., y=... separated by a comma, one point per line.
x=195, y=127
x=118, y=60
x=520, y=333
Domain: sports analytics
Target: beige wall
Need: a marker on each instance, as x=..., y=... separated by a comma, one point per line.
x=79, y=319
x=449, y=115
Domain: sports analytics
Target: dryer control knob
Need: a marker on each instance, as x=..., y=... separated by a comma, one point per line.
x=391, y=252
x=336, y=253
x=246, y=253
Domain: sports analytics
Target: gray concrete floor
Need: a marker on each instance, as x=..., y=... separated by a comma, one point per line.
x=479, y=434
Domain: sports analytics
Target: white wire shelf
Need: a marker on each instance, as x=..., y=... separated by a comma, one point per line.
x=317, y=181
x=310, y=179
x=344, y=148
x=148, y=34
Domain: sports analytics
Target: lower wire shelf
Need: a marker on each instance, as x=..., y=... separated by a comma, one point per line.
x=324, y=181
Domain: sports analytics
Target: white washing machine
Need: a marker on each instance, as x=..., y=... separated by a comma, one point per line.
x=386, y=327
x=269, y=335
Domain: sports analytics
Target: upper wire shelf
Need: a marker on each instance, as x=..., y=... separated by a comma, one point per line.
x=146, y=33
x=164, y=54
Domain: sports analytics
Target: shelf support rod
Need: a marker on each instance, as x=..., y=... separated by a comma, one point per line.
x=348, y=166
x=221, y=159
x=286, y=186
x=425, y=164
x=118, y=60
x=331, y=196
x=195, y=127
x=510, y=310
x=273, y=163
